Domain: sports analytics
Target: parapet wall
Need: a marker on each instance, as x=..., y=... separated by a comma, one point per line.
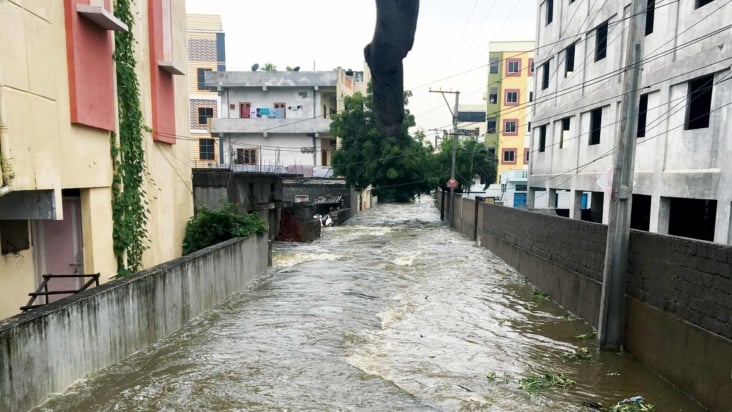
x=46, y=350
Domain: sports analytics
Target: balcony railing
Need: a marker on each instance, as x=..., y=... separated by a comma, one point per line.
x=308, y=125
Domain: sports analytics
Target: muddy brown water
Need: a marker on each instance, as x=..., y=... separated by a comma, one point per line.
x=392, y=311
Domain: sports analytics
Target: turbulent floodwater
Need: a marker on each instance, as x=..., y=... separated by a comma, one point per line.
x=392, y=311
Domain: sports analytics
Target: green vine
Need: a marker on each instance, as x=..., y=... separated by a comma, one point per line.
x=129, y=204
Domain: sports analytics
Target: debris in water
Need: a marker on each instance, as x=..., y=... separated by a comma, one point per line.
x=633, y=404
x=592, y=404
x=579, y=355
x=533, y=384
x=541, y=296
x=463, y=387
x=584, y=336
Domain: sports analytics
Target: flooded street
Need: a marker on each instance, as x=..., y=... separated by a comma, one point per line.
x=392, y=311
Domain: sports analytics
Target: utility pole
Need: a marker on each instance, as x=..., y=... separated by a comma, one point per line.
x=612, y=302
x=450, y=211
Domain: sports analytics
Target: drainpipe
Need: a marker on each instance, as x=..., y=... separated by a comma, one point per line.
x=7, y=174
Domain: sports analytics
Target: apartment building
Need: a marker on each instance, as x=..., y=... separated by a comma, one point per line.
x=683, y=180
x=58, y=115
x=510, y=75
x=206, y=52
x=280, y=121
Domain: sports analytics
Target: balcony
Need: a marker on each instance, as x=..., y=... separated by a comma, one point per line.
x=279, y=126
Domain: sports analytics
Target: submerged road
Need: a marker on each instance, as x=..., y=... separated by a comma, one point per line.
x=392, y=311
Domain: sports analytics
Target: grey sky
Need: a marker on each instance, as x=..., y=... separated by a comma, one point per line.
x=450, y=49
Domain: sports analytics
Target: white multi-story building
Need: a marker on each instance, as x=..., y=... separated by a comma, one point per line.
x=279, y=121
x=683, y=181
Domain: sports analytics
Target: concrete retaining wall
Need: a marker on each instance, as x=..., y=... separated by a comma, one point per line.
x=47, y=349
x=679, y=296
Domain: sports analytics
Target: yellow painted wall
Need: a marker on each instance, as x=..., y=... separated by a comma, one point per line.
x=522, y=83
x=48, y=152
x=17, y=277
x=169, y=185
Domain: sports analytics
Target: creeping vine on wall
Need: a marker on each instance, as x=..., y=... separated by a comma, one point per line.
x=129, y=204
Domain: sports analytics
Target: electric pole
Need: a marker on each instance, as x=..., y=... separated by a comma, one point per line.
x=450, y=212
x=612, y=303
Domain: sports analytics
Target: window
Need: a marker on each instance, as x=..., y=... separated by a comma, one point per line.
x=513, y=67
x=528, y=127
x=493, y=95
x=699, y=102
x=509, y=156
x=494, y=65
x=492, y=125
x=279, y=111
x=531, y=96
x=601, y=42
x=595, y=126
x=204, y=113
x=569, y=60
x=549, y=12
x=642, y=115
x=511, y=97
x=700, y=3
x=510, y=127
x=531, y=67
x=201, y=72
x=566, y=124
x=650, y=15
x=545, y=76
x=14, y=236
x=542, y=138
x=206, y=149
x=246, y=156
x=526, y=155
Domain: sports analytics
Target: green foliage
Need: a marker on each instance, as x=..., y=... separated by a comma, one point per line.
x=582, y=354
x=209, y=227
x=399, y=167
x=533, y=384
x=471, y=159
x=585, y=336
x=269, y=67
x=129, y=206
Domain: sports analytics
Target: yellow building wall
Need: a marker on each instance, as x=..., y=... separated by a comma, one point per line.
x=17, y=276
x=168, y=184
x=523, y=84
x=47, y=152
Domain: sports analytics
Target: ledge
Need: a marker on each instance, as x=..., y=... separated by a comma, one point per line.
x=170, y=67
x=101, y=17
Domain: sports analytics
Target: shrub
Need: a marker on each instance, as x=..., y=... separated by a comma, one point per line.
x=209, y=227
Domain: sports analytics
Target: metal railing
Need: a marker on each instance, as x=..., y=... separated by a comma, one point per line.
x=43, y=288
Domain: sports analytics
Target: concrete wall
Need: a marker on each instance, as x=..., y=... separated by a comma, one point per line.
x=679, y=295
x=670, y=161
x=46, y=350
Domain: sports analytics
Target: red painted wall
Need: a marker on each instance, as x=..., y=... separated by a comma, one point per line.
x=89, y=51
x=163, y=96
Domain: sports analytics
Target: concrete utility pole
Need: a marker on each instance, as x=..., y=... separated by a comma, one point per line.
x=612, y=302
x=450, y=212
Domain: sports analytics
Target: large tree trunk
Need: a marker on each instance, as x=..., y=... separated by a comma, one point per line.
x=396, y=22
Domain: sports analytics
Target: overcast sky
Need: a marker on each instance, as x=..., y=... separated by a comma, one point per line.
x=450, y=49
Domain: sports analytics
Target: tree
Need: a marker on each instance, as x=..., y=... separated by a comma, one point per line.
x=399, y=167
x=471, y=159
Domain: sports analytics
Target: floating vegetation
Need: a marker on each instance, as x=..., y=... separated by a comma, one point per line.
x=570, y=317
x=581, y=354
x=634, y=404
x=613, y=374
x=586, y=336
x=492, y=377
x=540, y=296
x=533, y=384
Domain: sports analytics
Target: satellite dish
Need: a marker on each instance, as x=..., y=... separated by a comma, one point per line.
x=255, y=66
x=296, y=69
